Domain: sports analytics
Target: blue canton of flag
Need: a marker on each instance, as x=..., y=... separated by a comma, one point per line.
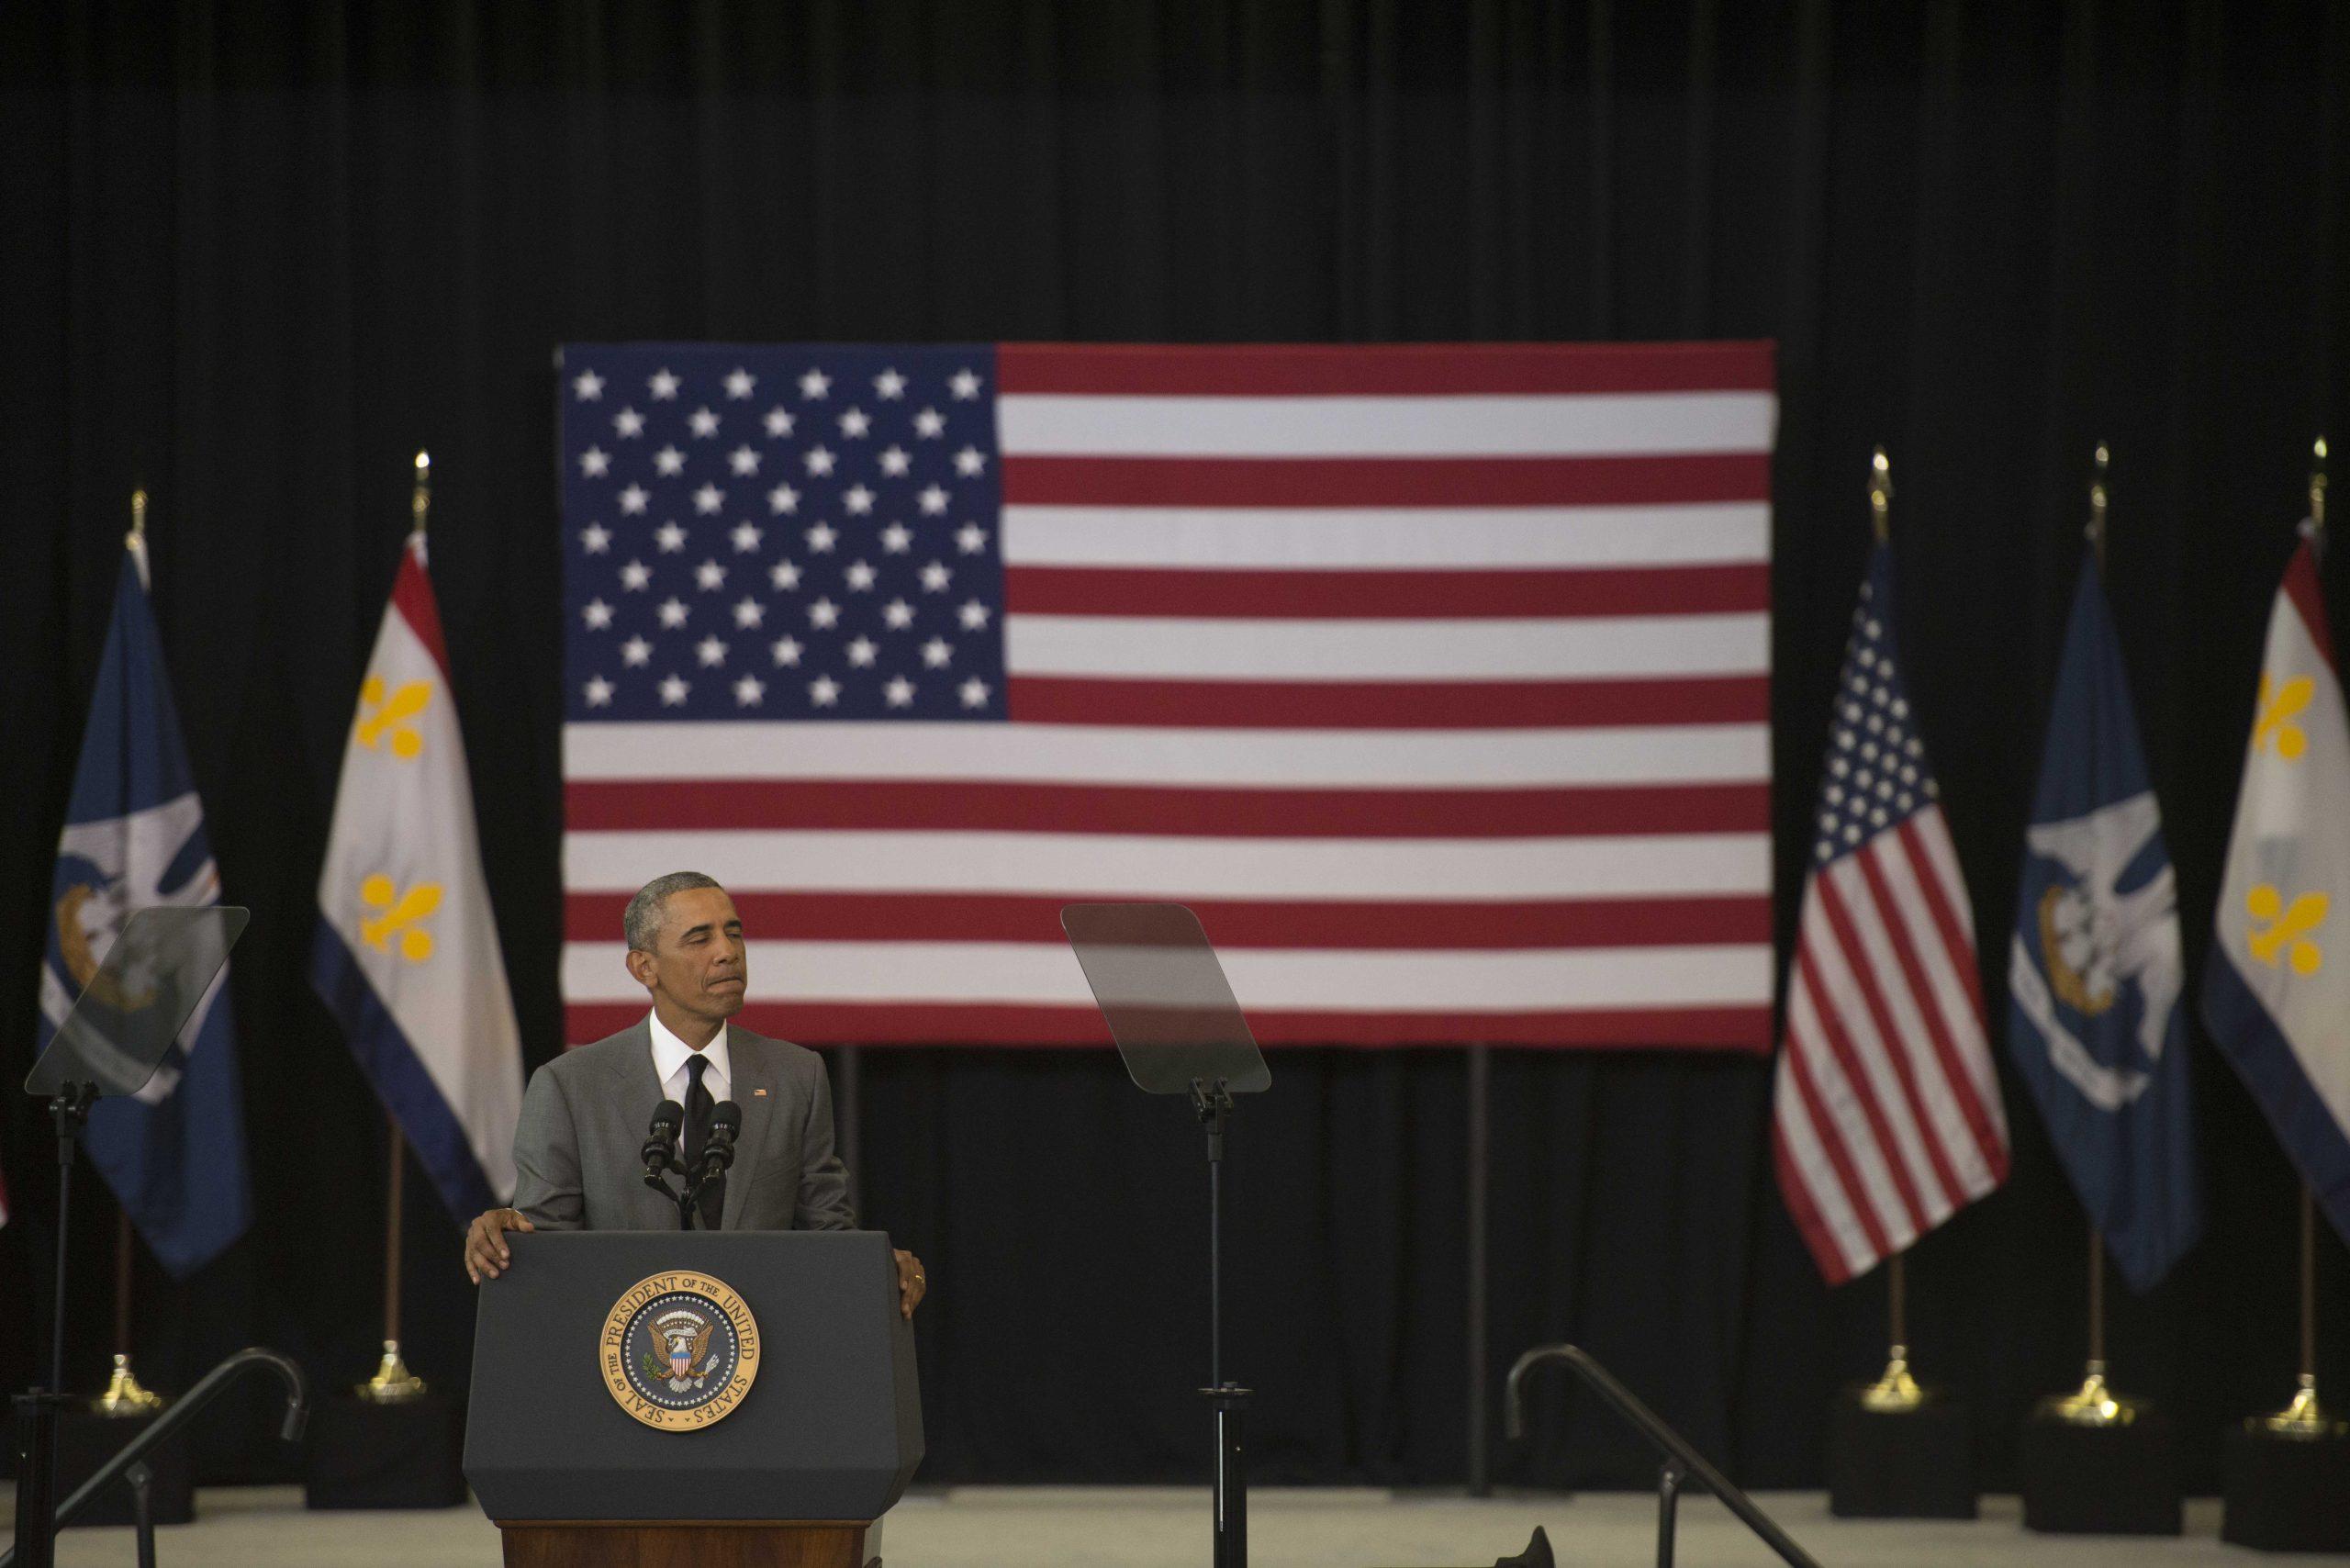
x=134, y=837
x=808, y=532
x=1878, y=776
x=2094, y=973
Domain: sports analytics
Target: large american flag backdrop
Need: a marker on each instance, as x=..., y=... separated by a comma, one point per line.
x=1434, y=678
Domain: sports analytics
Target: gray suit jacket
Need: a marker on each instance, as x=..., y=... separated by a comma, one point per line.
x=584, y=1119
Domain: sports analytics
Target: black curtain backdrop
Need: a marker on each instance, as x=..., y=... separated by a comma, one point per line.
x=254, y=256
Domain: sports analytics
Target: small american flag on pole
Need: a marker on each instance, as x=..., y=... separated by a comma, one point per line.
x=1887, y=1114
x=1436, y=680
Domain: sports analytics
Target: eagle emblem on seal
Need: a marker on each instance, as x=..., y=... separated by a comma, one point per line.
x=687, y=1334
x=679, y=1350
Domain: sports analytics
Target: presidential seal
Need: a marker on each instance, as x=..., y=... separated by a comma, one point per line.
x=679, y=1350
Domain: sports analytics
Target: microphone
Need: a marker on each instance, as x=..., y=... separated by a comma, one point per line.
x=718, y=1153
x=661, y=1138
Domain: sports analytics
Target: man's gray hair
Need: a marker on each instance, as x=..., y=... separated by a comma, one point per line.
x=647, y=911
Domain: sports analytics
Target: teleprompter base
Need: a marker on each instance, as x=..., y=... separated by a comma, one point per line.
x=86, y=1440
x=1911, y=1464
x=2287, y=1494
x=2117, y=1480
x=360, y=1455
x=687, y=1544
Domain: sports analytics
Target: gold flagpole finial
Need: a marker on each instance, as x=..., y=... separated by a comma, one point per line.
x=2097, y=503
x=422, y=501
x=1881, y=495
x=136, y=540
x=2317, y=486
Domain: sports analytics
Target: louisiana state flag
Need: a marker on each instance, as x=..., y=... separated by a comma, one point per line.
x=2276, y=990
x=2094, y=971
x=406, y=953
x=173, y=1153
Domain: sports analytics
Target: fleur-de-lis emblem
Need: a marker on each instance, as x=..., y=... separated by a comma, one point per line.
x=2285, y=930
x=2280, y=703
x=382, y=714
x=401, y=913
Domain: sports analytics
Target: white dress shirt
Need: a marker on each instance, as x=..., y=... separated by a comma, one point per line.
x=671, y=1054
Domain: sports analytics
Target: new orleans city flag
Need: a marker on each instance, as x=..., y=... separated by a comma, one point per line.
x=407, y=952
x=2094, y=971
x=2276, y=991
x=174, y=1153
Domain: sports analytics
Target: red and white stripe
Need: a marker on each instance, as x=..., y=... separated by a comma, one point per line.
x=1436, y=680
x=1887, y=1108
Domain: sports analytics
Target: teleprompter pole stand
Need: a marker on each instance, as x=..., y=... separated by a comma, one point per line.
x=1181, y=1031
x=1212, y=1102
x=158, y=969
x=38, y=1412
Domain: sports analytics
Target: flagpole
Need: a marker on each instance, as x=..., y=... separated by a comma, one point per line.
x=2097, y=505
x=395, y=1194
x=1895, y=1390
x=2303, y=1417
x=2093, y=1403
x=393, y=1382
x=136, y=540
x=125, y=1395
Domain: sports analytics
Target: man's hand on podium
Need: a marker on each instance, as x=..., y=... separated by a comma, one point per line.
x=486, y=1256
x=486, y=1251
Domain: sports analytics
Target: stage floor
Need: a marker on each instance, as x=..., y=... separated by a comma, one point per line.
x=1023, y=1526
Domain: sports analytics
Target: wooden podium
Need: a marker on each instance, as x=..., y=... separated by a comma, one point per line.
x=727, y=1399
x=782, y=1544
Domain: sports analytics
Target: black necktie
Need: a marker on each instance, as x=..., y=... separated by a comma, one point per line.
x=699, y=1106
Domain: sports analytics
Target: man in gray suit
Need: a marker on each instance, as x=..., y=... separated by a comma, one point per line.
x=584, y=1117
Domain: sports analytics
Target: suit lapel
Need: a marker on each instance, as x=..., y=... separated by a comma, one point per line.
x=636, y=1089
x=753, y=1070
x=633, y=1066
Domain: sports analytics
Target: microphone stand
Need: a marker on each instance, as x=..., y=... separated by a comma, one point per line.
x=716, y=1161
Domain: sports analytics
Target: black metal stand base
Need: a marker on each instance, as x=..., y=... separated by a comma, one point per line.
x=36, y=1443
x=1915, y=1464
x=2287, y=1494
x=1231, y=1401
x=363, y=1454
x=2100, y=1480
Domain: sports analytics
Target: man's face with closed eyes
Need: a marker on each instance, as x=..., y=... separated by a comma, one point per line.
x=697, y=965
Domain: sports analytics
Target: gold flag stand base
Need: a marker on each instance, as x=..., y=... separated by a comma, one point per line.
x=1896, y=1392
x=2091, y=1404
x=125, y=1395
x=393, y=1382
x=2302, y=1418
